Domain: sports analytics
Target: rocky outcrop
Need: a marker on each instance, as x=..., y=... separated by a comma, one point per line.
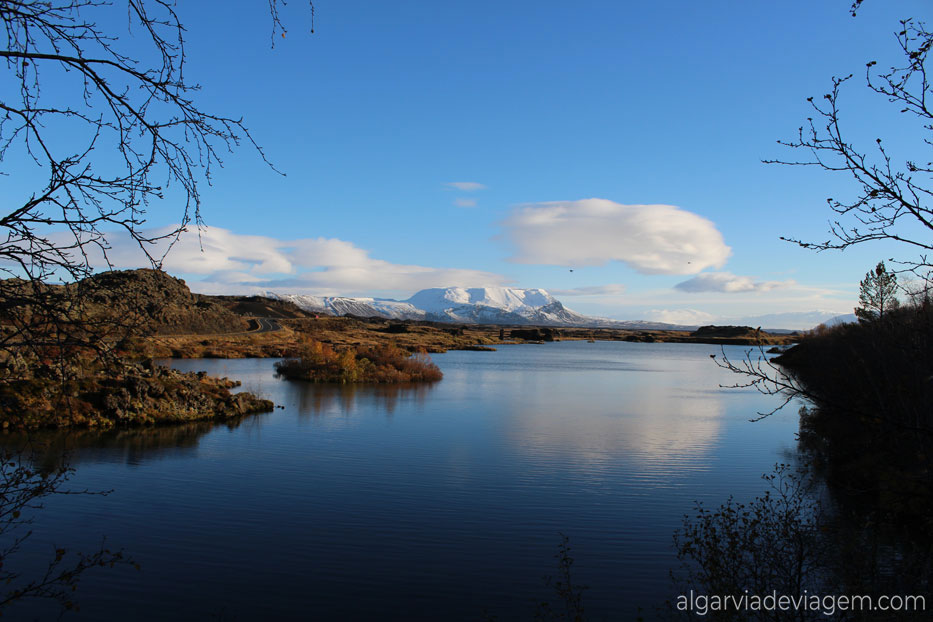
x=745, y=332
x=532, y=334
x=155, y=302
x=142, y=394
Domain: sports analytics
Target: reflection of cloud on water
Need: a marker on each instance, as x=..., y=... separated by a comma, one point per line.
x=640, y=418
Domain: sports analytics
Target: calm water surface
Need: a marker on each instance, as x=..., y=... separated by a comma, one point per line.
x=432, y=502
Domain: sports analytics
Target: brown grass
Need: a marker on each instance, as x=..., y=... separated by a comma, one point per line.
x=341, y=332
x=386, y=363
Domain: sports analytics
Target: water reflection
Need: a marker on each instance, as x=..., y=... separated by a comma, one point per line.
x=50, y=450
x=308, y=398
x=344, y=399
x=655, y=429
x=583, y=406
x=413, y=499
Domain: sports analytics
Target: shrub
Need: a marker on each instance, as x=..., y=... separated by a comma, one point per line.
x=768, y=544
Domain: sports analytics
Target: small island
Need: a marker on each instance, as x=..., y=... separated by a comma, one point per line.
x=383, y=363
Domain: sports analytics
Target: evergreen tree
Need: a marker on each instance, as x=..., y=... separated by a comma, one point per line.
x=877, y=294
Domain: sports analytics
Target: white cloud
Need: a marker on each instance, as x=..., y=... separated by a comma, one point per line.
x=652, y=239
x=465, y=202
x=466, y=186
x=377, y=276
x=325, y=266
x=729, y=283
x=612, y=289
x=689, y=317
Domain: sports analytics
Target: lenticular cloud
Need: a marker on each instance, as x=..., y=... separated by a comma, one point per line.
x=729, y=283
x=652, y=239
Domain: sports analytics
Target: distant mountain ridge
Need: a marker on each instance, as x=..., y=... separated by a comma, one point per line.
x=794, y=320
x=475, y=305
x=514, y=306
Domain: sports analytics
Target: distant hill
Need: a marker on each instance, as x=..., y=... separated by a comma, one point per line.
x=260, y=306
x=848, y=318
x=142, y=301
x=792, y=320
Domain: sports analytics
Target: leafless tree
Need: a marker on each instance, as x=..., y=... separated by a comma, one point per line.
x=99, y=129
x=893, y=200
x=758, y=372
x=919, y=290
x=107, y=127
x=133, y=131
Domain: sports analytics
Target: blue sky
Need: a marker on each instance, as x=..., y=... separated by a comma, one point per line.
x=506, y=143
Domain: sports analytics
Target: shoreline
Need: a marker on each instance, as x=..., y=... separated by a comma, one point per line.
x=346, y=331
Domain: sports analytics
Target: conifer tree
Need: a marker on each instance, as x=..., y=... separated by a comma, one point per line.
x=877, y=294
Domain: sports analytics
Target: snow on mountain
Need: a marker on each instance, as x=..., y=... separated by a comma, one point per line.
x=366, y=307
x=494, y=305
x=314, y=304
x=507, y=305
x=478, y=305
x=363, y=307
x=438, y=300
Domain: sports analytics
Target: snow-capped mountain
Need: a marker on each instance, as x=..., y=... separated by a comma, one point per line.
x=478, y=305
x=363, y=307
x=507, y=305
x=439, y=300
x=494, y=305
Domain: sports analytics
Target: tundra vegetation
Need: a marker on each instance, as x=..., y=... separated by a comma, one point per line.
x=386, y=363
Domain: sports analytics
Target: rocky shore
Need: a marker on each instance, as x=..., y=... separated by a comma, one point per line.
x=138, y=394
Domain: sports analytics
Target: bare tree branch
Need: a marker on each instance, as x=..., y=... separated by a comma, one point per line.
x=109, y=127
x=893, y=198
x=113, y=127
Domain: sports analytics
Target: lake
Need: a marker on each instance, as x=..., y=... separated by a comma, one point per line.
x=419, y=503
